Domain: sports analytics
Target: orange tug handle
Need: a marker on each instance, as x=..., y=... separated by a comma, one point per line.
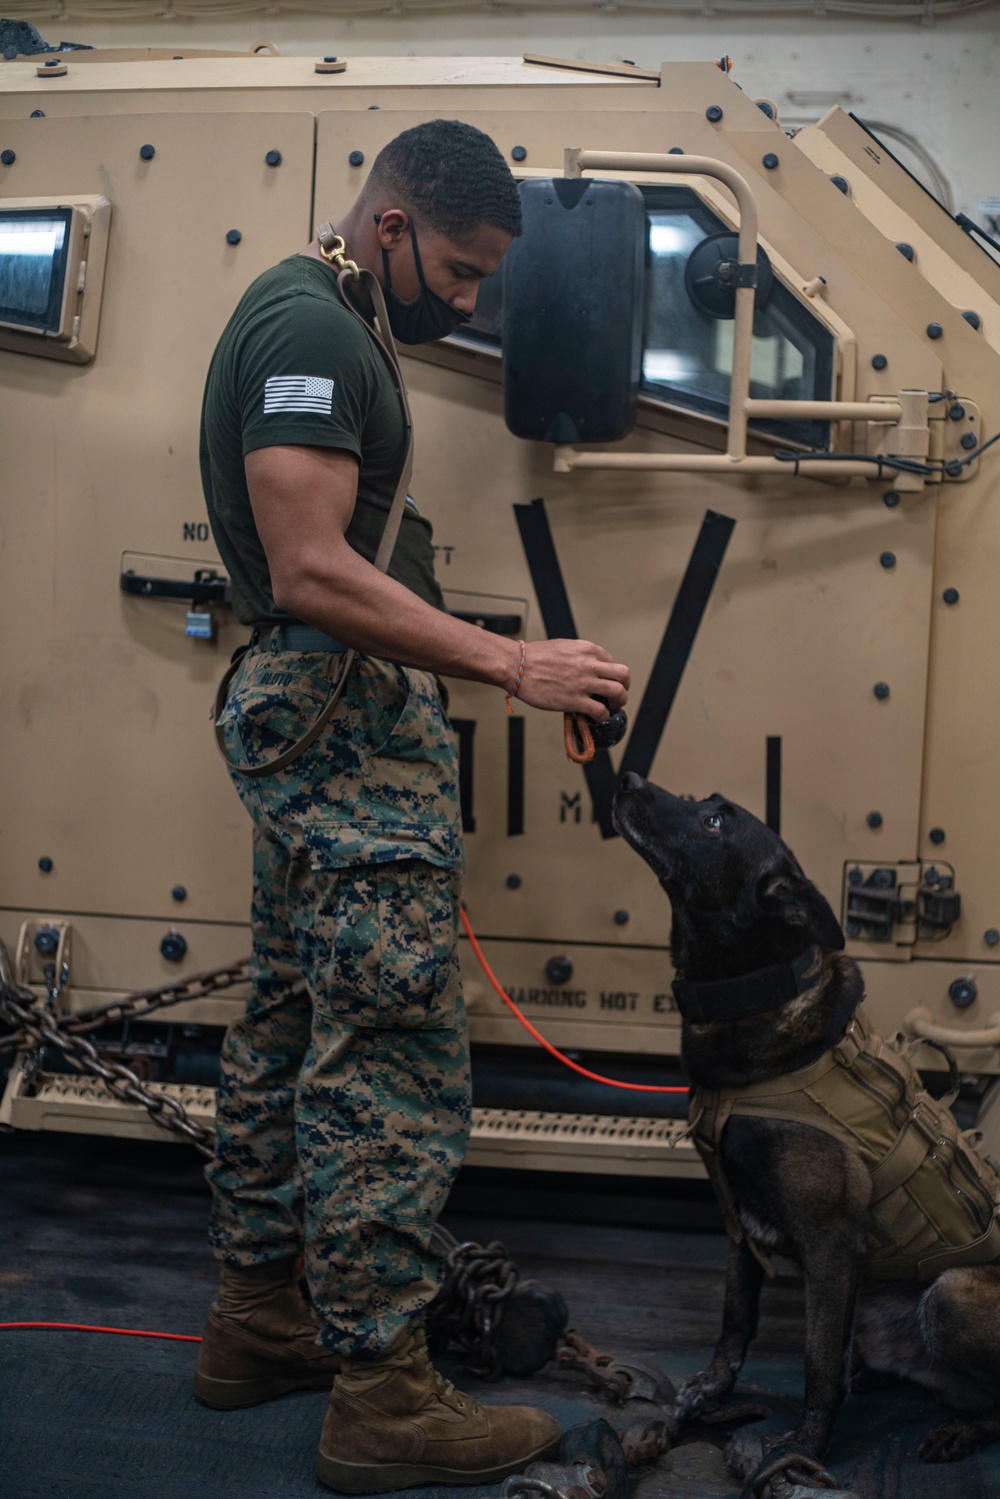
x=595, y=1077
x=576, y=731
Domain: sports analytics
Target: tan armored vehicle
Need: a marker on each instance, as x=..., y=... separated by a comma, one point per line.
x=789, y=528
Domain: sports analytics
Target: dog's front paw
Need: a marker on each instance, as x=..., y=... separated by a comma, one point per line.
x=702, y=1394
x=950, y=1441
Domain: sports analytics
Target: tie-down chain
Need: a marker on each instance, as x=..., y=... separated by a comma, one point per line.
x=597, y=1460
x=497, y=1323
x=500, y=1325
x=35, y=1025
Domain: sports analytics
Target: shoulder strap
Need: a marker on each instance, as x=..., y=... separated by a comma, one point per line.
x=332, y=249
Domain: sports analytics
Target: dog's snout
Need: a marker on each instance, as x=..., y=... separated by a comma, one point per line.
x=631, y=782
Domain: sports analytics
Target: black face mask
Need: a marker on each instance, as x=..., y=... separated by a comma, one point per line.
x=428, y=316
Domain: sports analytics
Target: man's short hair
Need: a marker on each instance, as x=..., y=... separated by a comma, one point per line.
x=451, y=175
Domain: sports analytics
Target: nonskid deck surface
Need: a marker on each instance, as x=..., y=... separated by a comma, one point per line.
x=113, y=1233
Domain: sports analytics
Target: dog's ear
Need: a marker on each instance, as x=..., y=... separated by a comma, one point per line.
x=796, y=900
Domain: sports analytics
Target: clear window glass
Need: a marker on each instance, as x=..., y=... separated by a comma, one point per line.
x=687, y=355
x=33, y=250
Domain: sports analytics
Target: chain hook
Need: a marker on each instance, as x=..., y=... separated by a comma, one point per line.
x=55, y=983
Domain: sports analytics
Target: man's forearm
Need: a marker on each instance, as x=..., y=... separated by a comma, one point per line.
x=303, y=499
x=351, y=600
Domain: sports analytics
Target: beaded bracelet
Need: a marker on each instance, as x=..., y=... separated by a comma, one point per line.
x=518, y=679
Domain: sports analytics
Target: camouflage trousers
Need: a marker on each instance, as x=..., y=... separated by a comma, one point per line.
x=344, y=1103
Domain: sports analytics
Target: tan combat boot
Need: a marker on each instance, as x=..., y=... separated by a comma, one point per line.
x=397, y=1422
x=260, y=1339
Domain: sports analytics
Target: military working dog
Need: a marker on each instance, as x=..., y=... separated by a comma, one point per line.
x=819, y=1139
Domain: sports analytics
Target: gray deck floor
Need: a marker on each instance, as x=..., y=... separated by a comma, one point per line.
x=113, y=1232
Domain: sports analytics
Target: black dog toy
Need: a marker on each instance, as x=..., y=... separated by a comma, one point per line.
x=583, y=736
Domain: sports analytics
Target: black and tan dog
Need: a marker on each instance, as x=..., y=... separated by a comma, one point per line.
x=775, y=1044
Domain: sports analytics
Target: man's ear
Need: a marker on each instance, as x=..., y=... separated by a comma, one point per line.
x=796, y=901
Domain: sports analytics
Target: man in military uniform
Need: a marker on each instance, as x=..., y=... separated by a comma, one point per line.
x=344, y=1103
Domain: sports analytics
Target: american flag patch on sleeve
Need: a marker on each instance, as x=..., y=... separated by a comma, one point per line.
x=298, y=393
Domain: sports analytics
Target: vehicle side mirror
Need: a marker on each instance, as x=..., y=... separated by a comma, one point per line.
x=573, y=311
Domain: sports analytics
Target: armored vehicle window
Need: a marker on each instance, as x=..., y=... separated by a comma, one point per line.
x=33, y=249
x=687, y=355
x=52, y=258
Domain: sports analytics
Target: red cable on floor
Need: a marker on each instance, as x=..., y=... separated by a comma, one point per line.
x=595, y=1077
x=125, y=1332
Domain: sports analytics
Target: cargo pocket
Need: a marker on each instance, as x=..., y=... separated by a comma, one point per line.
x=381, y=953
x=411, y=767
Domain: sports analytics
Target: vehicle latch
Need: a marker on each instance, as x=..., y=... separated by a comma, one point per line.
x=939, y=904
x=899, y=903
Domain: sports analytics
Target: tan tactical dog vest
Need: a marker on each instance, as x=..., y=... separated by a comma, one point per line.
x=935, y=1202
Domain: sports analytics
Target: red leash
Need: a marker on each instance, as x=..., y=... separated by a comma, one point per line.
x=595, y=1077
x=126, y=1332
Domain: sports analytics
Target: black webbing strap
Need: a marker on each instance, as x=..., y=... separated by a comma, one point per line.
x=515, y=776
x=671, y=658
x=677, y=643
x=557, y=617
x=773, y=783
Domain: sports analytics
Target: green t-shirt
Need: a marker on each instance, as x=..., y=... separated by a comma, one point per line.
x=294, y=366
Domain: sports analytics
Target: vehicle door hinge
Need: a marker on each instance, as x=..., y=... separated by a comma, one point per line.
x=43, y=958
x=899, y=903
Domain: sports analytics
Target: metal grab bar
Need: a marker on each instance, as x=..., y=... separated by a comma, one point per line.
x=569, y=460
x=844, y=411
x=904, y=412
x=577, y=161
x=920, y=1023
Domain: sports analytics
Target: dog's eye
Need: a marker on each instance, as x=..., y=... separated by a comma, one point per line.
x=713, y=822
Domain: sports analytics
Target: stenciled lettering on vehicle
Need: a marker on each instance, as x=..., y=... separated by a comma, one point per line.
x=557, y=999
